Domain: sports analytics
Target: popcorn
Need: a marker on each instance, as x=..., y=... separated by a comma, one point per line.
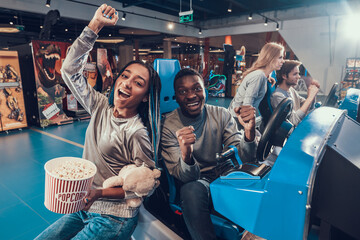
x=67, y=181
x=73, y=170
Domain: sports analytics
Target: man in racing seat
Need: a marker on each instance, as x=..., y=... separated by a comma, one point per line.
x=191, y=136
x=287, y=77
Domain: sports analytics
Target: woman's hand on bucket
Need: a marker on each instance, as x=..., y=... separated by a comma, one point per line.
x=91, y=197
x=94, y=194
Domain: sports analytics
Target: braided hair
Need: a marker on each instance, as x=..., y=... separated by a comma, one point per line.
x=149, y=111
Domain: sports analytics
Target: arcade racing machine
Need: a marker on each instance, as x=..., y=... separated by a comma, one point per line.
x=314, y=180
x=316, y=174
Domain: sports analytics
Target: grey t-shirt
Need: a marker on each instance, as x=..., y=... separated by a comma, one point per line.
x=250, y=92
x=215, y=131
x=110, y=142
x=279, y=94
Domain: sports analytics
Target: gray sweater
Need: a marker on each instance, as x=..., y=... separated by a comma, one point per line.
x=297, y=114
x=250, y=92
x=110, y=142
x=215, y=130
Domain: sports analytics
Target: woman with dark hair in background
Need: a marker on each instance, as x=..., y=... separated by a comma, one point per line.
x=117, y=135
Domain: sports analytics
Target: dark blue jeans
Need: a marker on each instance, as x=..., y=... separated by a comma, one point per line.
x=196, y=204
x=84, y=225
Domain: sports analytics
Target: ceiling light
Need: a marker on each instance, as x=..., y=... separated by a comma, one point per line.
x=110, y=40
x=200, y=32
x=277, y=26
x=41, y=26
x=348, y=26
x=229, y=8
x=142, y=49
x=123, y=17
x=266, y=22
x=250, y=16
x=66, y=29
x=156, y=51
x=11, y=23
x=10, y=28
x=15, y=17
x=170, y=26
x=48, y=3
x=217, y=51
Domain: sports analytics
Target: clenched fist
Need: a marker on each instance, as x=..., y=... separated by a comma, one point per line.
x=186, y=138
x=246, y=116
x=104, y=16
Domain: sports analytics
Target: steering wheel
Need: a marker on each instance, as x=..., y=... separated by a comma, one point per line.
x=331, y=99
x=276, y=130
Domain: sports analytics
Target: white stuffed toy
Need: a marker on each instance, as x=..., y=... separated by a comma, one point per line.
x=140, y=180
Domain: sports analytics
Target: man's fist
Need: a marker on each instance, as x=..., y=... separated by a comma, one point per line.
x=186, y=138
x=246, y=116
x=312, y=91
x=316, y=83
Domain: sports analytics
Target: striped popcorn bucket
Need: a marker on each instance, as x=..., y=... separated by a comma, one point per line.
x=66, y=195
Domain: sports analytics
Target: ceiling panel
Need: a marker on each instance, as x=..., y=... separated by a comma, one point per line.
x=213, y=9
x=67, y=29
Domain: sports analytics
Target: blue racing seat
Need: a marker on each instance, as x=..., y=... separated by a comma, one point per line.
x=351, y=103
x=167, y=69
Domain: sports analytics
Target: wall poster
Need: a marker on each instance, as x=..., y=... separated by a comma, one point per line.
x=48, y=57
x=104, y=67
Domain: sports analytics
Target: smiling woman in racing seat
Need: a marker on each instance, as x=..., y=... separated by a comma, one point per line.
x=191, y=136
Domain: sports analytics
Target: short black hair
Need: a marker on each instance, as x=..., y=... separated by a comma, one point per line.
x=286, y=68
x=186, y=72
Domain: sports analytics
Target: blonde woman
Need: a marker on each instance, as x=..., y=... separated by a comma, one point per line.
x=253, y=86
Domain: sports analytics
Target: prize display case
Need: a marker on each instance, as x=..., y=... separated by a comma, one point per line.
x=12, y=106
x=352, y=76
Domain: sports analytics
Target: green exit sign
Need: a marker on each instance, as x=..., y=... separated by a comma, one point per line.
x=186, y=16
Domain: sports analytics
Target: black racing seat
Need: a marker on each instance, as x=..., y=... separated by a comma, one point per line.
x=265, y=107
x=234, y=168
